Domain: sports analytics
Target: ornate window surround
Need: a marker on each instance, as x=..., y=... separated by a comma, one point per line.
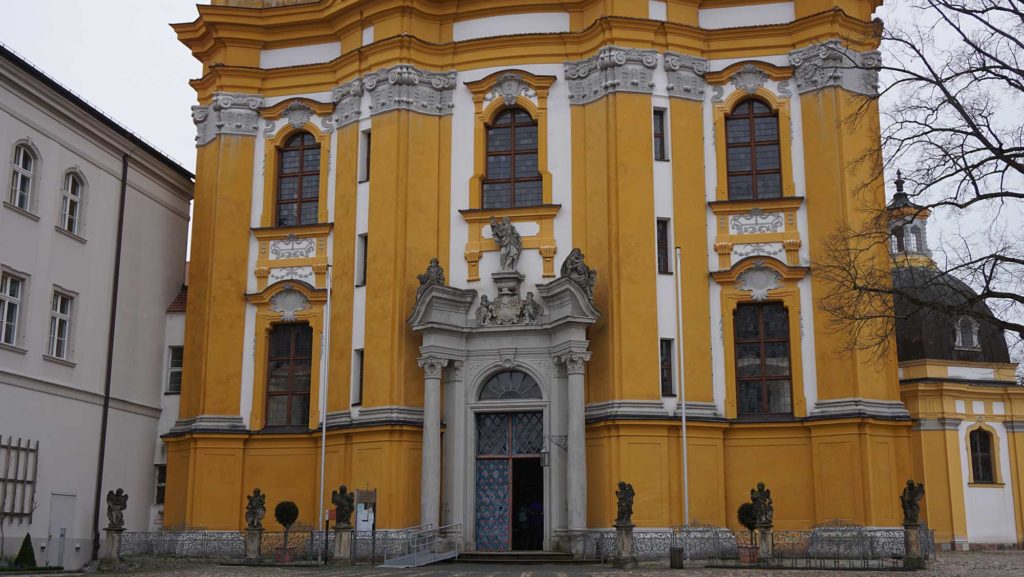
x=753, y=222
x=266, y=318
x=314, y=235
x=779, y=104
x=997, y=477
x=492, y=95
x=974, y=331
x=277, y=140
x=33, y=189
x=784, y=289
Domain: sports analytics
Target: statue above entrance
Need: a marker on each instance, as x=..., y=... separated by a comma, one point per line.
x=575, y=269
x=434, y=275
x=508, y=239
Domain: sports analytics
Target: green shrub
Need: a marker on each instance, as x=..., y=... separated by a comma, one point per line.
x=286, y=513
x=26, y=558
x=745, y=515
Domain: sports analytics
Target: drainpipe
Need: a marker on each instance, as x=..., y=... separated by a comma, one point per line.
x=110, y=362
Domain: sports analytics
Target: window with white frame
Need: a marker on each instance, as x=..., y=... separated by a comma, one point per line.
x=21, y=178
x=967, y=334
x=60, y=325
x=11, y=288
x=174, y=365
x=71, y=202
x=357, y=377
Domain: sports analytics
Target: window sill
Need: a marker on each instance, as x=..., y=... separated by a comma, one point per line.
x=58, y=361
x=21, y=211
x=290, y=430
x=69, y=234
x=765, y=419
x=668, y=395
x=986, y=485
x=13, y=349
x=361, y=285
x=665, y=273
x=662, y=160
x=363, y=181
x=172, y=394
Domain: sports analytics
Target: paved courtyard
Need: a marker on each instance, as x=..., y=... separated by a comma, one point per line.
x=982, y=564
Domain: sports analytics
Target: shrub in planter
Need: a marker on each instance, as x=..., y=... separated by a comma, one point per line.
x=286, y=514
x=26, y=558
x=746, y=516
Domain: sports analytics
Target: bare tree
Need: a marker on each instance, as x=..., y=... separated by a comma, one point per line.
x=952, y=118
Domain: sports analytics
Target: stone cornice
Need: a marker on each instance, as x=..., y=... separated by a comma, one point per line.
x=830, y=64
x=406, y=87
x=613, y=69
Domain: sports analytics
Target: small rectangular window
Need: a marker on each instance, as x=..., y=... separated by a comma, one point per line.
x=664, y=258
x=364, y=156
x=161, y=483
x=357, y=377
x=660, y=150
x=60, y=325
x=174, y=364
x=362, y=248
x=10, y=308
x=667, y=352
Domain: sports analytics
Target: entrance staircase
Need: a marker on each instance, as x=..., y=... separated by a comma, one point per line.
x=424, y=545
x=517, y=557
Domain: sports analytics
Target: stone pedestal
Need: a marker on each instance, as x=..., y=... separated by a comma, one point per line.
x=343, y=545
x=764, y=542
x=112, y=550
x=625, y=556
x=253, y=541
x=507, y=282
x=912, y=558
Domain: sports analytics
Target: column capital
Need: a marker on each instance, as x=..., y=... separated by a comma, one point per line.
x=235, y=113
x=432, y=366
x=573, y=361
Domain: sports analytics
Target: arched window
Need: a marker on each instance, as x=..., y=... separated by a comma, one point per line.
x=288, y=375
x=982, y=469
x=298, y=181
x=71, y=202
x=752, y=151
x=967, y=334
x=512, y=178
x=21, y=179
x=510, y=385
x=763, y=371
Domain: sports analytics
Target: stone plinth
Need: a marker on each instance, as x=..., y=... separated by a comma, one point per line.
x=625, y=555
x=253, y=541
x=507, y=282
x=764, y=541
x=912, y=558
x=343, y=545
x=111, y=559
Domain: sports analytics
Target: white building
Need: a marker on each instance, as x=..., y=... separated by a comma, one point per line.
x=63, y=374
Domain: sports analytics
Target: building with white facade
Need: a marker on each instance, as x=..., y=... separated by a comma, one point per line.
x=93, y=232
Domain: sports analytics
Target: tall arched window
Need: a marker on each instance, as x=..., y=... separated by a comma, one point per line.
x=71, y=202
x=512, y=178
x=21, y=179
x=763, y=369
x=982, y=467
x=298, y=181
x=288, y=375
x=752, y=145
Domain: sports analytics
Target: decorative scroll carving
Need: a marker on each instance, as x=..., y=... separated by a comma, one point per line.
x=347, y=100
x=748, y=78
x=756, y=221
x=229, y=113
x=759, y=279
x=288, y=302
x=508, y=309
x=686, y=76
x=292, y=247
x=612, y=70
x=832, y=64
x=432, y=366
x=772, y=249
x=405, y=87
x=575, y=269
x=297, y=114
x=717, y=93
x=784, y=89
x=509, y=87
x=303, y=273
x=573, y=362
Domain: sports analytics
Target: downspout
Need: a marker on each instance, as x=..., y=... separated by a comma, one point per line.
x=110, y=362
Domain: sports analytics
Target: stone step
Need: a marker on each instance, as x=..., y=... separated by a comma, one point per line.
x=517, y=557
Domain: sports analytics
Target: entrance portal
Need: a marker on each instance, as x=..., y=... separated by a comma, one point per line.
x=509, y=481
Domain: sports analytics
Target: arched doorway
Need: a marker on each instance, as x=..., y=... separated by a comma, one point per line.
x=509, y=469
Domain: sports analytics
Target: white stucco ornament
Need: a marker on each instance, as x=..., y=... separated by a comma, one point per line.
x=289, y=302
x=759, y=279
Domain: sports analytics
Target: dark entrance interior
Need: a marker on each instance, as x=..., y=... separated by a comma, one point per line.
x=509, y=482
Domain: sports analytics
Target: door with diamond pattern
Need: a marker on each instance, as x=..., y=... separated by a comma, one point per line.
x=502, y=441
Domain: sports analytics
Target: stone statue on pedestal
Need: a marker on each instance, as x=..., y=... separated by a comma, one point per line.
x=116, y=504
x=434, y=275
x=625, y=496
x=344, y=503
x=575, y=269
x=911, y=499
x=764, y=510
x=255, y=510
x=508, y=239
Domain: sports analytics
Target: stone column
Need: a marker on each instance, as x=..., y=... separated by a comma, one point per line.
x=430, y=472
x=576, y=467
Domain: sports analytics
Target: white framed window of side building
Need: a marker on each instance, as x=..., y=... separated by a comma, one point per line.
x=61, y=311
x=12, y=291
x=71, y=203
x=26, y=166
x=175, y=362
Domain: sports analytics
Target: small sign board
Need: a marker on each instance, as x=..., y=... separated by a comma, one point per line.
x=367, y=496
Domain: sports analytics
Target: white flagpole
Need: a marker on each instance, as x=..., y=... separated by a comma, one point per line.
x=682, y=383
x=325, y=356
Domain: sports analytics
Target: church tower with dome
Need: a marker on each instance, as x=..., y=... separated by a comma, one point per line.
x=435, y=242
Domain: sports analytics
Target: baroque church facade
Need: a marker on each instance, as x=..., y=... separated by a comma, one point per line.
x=446, y=233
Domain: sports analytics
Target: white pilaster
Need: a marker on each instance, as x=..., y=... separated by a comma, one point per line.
x=576, y=475
x=430, y=471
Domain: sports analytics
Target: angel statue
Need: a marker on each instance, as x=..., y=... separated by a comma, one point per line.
x=625, y=496
x=256, y=510
x=116, y=504
x=911, y=499
x=344, y=503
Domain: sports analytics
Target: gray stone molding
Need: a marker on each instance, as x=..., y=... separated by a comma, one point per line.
x=370, y=416
x=757, y=221
x=702, y=411
x=748, y=78
x=831, y=64
x=758, y=280
x=209, y=423
x=940, y=424
x=650, y=410
x=230, y=113
x=347, y=100
x=859, y=407
x=574, y=362
x=685, y=76
x=1014, y=426
x=405, y=87
x=612, y=69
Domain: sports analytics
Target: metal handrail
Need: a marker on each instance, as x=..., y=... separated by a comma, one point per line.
x=422, y=540
x=407, y=533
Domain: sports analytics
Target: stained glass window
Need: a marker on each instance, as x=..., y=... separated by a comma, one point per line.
x=752, y=151
x=510, y=385
x=763, y=371
x=298, y=181
x=512, y=175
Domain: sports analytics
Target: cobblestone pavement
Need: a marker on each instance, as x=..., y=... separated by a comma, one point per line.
x=982, y=564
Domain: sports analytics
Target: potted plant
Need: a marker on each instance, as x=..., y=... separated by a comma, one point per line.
x=747, y=518
x=286, y=514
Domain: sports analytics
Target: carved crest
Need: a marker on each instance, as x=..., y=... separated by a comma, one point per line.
x=748, y=78
x=759, y=280
x=289, y=302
